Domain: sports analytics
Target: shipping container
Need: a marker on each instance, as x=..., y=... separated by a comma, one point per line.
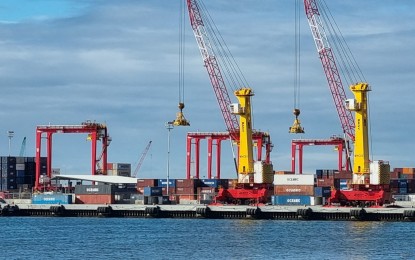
x=152, y=191
x=121, y=166
x=294, y=179
x=172, y=190
x=187, y=183
x=215, y=183
x=207, y=190
x=403, y=190
x=284, y=172
x=324, y=192
x=147, y=183
x=292, y=200
x=94, y=189
x=94, y=198
x=325, y=182
x=185, y=191
x=163, y=183
x=402, y=183
x=294, y=190
x=55, y=198
x=408, y=170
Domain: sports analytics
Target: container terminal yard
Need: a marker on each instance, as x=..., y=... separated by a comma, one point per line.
x=359, y=189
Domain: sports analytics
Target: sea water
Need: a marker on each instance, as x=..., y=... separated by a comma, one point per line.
x=147, y=238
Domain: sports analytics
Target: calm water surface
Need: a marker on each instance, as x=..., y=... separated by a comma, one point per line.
x=129, y=238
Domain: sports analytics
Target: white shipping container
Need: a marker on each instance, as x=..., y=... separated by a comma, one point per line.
x=294, y=179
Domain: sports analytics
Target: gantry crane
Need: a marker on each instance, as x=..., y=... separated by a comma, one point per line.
x=140, y=162
x=246, y=190
x=370, y=179
x=95, y=131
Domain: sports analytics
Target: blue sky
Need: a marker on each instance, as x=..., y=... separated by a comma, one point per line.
x=116, y=62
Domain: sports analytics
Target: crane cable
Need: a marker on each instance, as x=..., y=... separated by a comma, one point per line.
x=348, y=65
x=297, y=71
x=182, y=24
x=232, y=73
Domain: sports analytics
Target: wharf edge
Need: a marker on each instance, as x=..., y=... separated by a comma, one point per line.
x=211, y=212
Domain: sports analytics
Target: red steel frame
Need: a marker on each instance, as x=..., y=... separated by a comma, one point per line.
x=297, y=144
x=96, y=132
x=261, y=139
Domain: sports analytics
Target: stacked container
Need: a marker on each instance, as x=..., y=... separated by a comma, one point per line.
x=142, y=183
x=119, y=169
x=18, y=173
x=294, y=189
x=94, y=194
x=186, y=190
x=333, y=178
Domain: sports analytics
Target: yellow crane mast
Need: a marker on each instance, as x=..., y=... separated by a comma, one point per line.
x=361, y=143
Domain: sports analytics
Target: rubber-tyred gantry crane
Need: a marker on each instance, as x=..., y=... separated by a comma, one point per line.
x=95, y=131
x=370, y=179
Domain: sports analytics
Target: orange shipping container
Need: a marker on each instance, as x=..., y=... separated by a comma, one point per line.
x=307, y=190
x=408, y=171
x=186, y=197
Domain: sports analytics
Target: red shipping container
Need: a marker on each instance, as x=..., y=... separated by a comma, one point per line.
x=206, y=190
x=307, y=190
x=394, y=175
x=325, y=182
x=109, y=166
x=141, y=183
x=172, y=190
x=95, y=199
x=187, y=183
x=343, y=175
x=185, y=191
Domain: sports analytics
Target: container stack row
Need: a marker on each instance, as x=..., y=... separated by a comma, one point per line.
x=298, y=189
x=18, y=173
x=185, y=191
x=402, y=181
x=119, y=169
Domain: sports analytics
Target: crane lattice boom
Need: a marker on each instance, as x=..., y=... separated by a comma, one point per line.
x=330, y=68
x=212, y=67
x=143, y=156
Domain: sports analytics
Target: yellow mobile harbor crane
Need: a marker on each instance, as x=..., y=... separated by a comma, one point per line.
x=370, y=186
x=254, y=178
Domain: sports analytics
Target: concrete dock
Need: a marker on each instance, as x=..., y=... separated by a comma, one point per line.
x=212, y=211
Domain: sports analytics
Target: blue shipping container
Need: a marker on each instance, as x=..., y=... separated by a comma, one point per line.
x=292, y=200
x=163, y=183
x=153, y=191
x=214, y=183
x=52, y=199
x=324, y=192
x=403, y=190
x=403, y=183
